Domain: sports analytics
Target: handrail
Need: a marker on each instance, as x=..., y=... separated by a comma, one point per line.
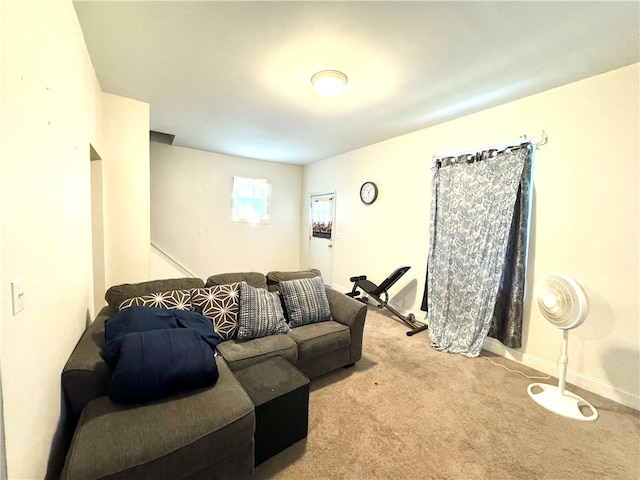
x=172, y=261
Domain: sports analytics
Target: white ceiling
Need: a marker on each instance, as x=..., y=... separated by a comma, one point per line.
x=234, y=77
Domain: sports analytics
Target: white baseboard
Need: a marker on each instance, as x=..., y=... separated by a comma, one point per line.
x=419, y=314
x=168, y=262
x=550, y=368
x=340, y=288
x=575, y=378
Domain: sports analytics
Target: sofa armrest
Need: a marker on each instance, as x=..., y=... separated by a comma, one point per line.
x=351, y=313
x=86, y=375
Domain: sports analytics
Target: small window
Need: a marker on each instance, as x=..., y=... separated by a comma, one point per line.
x=250, y=200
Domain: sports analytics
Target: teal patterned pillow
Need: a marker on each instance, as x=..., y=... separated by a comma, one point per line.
x=306, y=301
x=260, y=313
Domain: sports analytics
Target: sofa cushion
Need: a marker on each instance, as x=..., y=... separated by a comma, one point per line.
x=260, y=313
x=305, y=301
x=318, y=338
x=274, y=278
x=117, y=294
x=173, y=299
x=220, y=304
x=255, y=279
x=186, y=437
x=158, y=363
x=244, y=353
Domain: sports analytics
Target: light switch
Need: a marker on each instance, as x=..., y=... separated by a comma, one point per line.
x=17, y=295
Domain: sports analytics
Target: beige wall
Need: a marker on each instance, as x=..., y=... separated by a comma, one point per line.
x=191, y=192
x=126, y=189
x=584, y=219
x=52, y=109
x=48, y=120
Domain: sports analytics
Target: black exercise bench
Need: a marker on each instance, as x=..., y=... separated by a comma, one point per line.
x=377, y=291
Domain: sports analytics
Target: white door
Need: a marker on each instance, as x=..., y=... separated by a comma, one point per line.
x=321, y=234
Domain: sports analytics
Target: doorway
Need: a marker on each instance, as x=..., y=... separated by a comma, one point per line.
x=97, y=230
x=322, y=216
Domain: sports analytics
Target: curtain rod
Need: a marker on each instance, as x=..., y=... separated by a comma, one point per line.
x=501, y=146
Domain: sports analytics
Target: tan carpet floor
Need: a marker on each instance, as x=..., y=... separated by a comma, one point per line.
x=406, y=411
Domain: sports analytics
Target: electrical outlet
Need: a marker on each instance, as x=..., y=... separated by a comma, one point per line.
x=17, y=296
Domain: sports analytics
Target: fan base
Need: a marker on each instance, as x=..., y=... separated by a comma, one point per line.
x=564, y=403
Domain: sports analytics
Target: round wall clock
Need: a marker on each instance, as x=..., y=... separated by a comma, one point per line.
x=368, y=193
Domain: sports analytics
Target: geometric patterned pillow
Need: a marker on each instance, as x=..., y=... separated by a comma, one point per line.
x=220, y=304
x=306, y=301
x=260, y=313
x=172, y=300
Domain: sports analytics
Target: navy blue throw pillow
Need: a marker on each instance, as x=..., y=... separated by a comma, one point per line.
x=143, y=319
x=158, y=363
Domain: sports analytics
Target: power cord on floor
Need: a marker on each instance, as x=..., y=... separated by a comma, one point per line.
x=517, y=371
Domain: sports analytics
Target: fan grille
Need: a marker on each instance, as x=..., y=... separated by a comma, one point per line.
x=561, y=300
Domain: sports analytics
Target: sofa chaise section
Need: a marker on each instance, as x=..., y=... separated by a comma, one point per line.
x=195, y=435
x=206, y=433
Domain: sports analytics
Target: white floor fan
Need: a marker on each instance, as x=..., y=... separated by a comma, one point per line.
x=563, y=303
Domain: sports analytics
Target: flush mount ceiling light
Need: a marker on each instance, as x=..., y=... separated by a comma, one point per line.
x=329, y=83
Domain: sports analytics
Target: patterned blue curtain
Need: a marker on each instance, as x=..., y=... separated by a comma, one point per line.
x=472, y=212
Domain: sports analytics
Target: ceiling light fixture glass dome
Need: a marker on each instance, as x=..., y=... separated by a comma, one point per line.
x=329, y=83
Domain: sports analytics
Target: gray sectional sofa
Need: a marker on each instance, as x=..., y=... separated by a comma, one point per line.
x=207, y=433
